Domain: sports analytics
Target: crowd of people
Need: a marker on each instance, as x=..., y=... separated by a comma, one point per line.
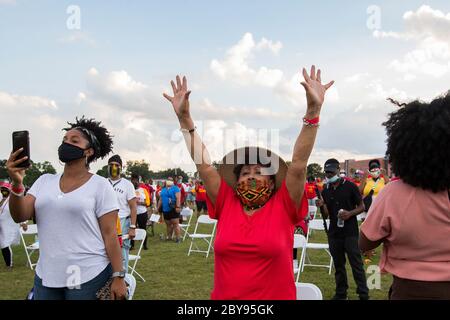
x=259, y=201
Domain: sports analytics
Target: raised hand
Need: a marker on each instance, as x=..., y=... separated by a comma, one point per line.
x=315, y=90
x=180, y=99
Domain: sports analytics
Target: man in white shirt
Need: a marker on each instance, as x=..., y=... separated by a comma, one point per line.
x=126, y=197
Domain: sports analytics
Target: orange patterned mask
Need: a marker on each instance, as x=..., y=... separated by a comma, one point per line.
x=253, y=193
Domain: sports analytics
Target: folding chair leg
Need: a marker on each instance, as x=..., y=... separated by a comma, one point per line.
x=302, y=260
x=300, y=264
x=190, y=247
x=137, y=273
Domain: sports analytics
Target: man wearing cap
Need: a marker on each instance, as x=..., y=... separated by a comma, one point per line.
x=341, y=202
x=126, y=196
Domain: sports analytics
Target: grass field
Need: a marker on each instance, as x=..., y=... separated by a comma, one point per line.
x=171, y=274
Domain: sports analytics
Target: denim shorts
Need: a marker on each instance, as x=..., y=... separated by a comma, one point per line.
x=87, y=291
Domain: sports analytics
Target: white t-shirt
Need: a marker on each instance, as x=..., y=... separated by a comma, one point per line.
x=140, y=197
x=72, y=250
x=125, y=192
x=9, y=230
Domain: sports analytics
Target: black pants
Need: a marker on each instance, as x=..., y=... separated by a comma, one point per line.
x=7, y=256
x=338, y=248
x=141, y=222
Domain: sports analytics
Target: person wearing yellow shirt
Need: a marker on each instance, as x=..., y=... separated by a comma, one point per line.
x=374, y=179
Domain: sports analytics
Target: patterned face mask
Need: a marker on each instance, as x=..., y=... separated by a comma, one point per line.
x=253, y=193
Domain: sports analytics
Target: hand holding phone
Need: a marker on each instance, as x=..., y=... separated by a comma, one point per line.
x=21, y=140
x=19, y=159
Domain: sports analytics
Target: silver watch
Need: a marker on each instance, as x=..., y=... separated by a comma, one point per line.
x=119, y=274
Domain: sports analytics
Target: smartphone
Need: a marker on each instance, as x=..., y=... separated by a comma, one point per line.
x=21, y=139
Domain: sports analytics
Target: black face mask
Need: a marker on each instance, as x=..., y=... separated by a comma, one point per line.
x=68, y=152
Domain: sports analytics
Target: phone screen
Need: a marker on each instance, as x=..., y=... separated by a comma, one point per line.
x=21, y=139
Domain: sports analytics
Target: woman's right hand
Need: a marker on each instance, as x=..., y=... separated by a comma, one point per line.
x=180, y=99
x=16, y=173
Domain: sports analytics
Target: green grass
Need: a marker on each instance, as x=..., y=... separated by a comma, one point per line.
x=171, y=274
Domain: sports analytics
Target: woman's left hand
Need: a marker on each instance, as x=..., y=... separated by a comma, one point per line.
x=118, y=289
x=315, y=90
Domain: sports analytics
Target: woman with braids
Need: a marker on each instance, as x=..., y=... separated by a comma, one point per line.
x=257, y=201
x=76, y=215
x=411, y=216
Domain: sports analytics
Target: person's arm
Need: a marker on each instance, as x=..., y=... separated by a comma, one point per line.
x=385, y=176
x=159, y=204
x=366, y=244
x=345, y=215
x=133, y=217
x=197, y=150
x=178, y=202
x=108, y=230
x=315, y=95
x=20, y=207
x=323, y=208
x=362, y=185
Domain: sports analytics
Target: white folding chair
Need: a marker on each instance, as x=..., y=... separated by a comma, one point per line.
x=312, y=212
x=308, y=291
x=299, y=243
x=154, y=218
x=30, y=249
x=140, y=236
x=316, y=224
x=130, y=280
x=187, y=214
x=207, y=237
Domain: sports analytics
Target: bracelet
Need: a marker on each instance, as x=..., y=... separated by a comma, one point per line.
x=18, y=194
x=311, y=122
x=18, y=189
x=188, y=130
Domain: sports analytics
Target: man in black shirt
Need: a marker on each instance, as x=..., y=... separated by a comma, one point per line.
x=342, y=201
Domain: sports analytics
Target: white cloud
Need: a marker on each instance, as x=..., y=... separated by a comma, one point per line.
x=14, y=101
x=209, y=110
x=321, y=155
x=40, y=116
x=7, y=2
x=430, y=30
x=431, y=58
x=78, y=37
x=235, y=65
x=357, y=77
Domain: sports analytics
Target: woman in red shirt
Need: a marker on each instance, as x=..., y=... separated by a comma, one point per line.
x=257, y=201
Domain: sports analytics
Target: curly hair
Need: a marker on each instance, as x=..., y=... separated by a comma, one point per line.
x=104, y=144
x=418, y=143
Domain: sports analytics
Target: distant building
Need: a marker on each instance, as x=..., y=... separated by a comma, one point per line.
x=351, y=165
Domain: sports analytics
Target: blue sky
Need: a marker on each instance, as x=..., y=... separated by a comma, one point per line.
x=145, y=43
